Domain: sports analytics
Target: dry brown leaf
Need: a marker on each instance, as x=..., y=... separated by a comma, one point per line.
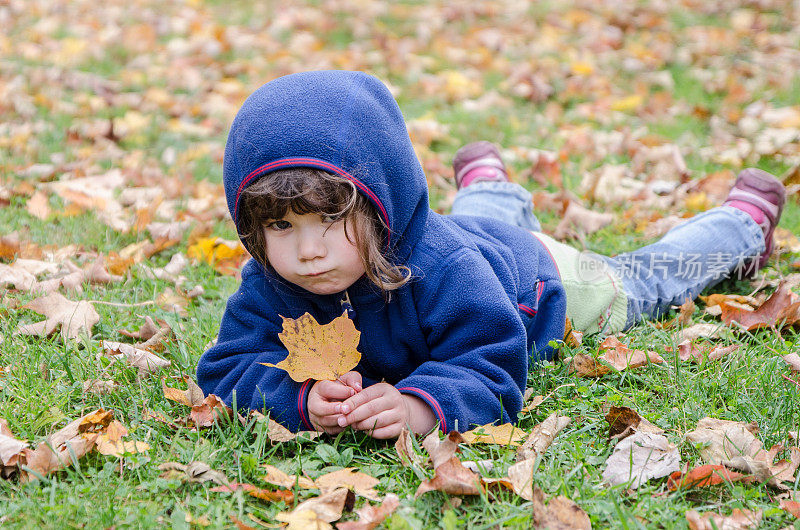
x=146, y=331
x=521, y=477
x=39, y=205
x=624, y=421
x=147, y=362
x=303, y=520
x=580, y=221
x=194, y=471
x=560, y=513
x=505, y=434
x=74, y=318
x=10, y=450
x=542, y=436
x=284, y=480
x=780, y=308
x=278, y=433
x=737, y=520
x=699, y=330
x=286, y=496
x=704, y=476
x=616, y=357
x=74, y=440
x=208, y=411
x=441, y=451
x=534, y=403
x=726, y=439
x=370, y=517
x=110, y=442
x=453, y=478
x=793, y=507
x=351, y=478
x=190, y=397
x=319, y=352
x=404, y=447
x=100, y=387
x=639, y=458
x=688, y=351
x=793, y=360
x=327, y=507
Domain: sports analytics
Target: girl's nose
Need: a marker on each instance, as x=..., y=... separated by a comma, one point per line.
x=311, y=246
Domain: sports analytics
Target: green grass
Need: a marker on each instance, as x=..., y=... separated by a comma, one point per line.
x=41, y=380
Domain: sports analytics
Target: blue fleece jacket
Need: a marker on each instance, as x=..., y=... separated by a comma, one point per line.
x=484, y=295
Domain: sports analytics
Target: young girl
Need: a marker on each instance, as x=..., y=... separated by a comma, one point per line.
x=329, y=198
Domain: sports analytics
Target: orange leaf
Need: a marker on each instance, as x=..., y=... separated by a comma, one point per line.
x=286, y=496
x=318, y=352
x=706, y=475
x=781, y=307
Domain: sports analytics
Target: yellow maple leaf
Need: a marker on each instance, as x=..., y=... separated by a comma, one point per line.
x=505, y=434
x=318, y=352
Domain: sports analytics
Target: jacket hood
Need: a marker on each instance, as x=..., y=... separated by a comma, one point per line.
x=342, y=122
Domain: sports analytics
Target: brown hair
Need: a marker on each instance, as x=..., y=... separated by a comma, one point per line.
x=307, y=190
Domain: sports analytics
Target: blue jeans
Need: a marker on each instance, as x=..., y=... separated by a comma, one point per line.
x=694, y=255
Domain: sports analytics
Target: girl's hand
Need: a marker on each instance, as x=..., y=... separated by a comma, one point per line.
x=325, y=401
x=383, y=411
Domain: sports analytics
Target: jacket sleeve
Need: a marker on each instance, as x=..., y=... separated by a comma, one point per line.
x=478, y=356
x=248, y=335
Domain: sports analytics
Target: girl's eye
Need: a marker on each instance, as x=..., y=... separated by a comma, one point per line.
x=279, y=225
x=331, y=218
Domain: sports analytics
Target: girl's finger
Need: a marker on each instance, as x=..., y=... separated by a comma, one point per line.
x=353, y=380
x=378, y=421
x=390, y=431
x=366, y=410
x=334, y=390
x=320, y=407
x=331, y=420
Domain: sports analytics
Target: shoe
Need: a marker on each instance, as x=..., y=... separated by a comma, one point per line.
x=479, y=162
x=762, y=196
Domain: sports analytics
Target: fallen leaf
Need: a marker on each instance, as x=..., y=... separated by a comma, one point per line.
x=404, y=447
x=190, y=397
x=39, y=206
x=624, y=421
x=147, y=362
x=521, y=477
x=441, y=451
x=505, y=434
x=370, y=517
x=534, y=403
x=793, y=360
x=793, y=507
x=351, y=478
x=303, y=520
x=278, y=433
x=780, y=308
x=639, y=458
x=559, y=513
x=146, y=331
x=286, y=496
x=688, y=351
x=284, y=480
x=585, y=221
x=724, y=439
x=737, y=520
x=541, y=436
x=327, y=507
x=703, y=476
x=208, y=411
x=74, y=318
x=699, y=330
x=453, y=478
x=616, y=357
x=194, y=471
x=319, y=352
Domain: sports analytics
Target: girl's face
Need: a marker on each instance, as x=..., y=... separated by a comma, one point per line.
x=313, y=251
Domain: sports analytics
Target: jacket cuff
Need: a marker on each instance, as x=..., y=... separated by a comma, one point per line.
x=432, y=403
x=302, y=403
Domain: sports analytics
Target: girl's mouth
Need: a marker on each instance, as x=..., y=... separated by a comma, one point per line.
x=317, y=273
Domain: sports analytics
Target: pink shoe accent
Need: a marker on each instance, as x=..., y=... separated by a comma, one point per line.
x=751, y=209
x=478, y=162
x=762, y=196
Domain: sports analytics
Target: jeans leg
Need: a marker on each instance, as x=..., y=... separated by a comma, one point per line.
x=692, y=256
x=505, y=201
